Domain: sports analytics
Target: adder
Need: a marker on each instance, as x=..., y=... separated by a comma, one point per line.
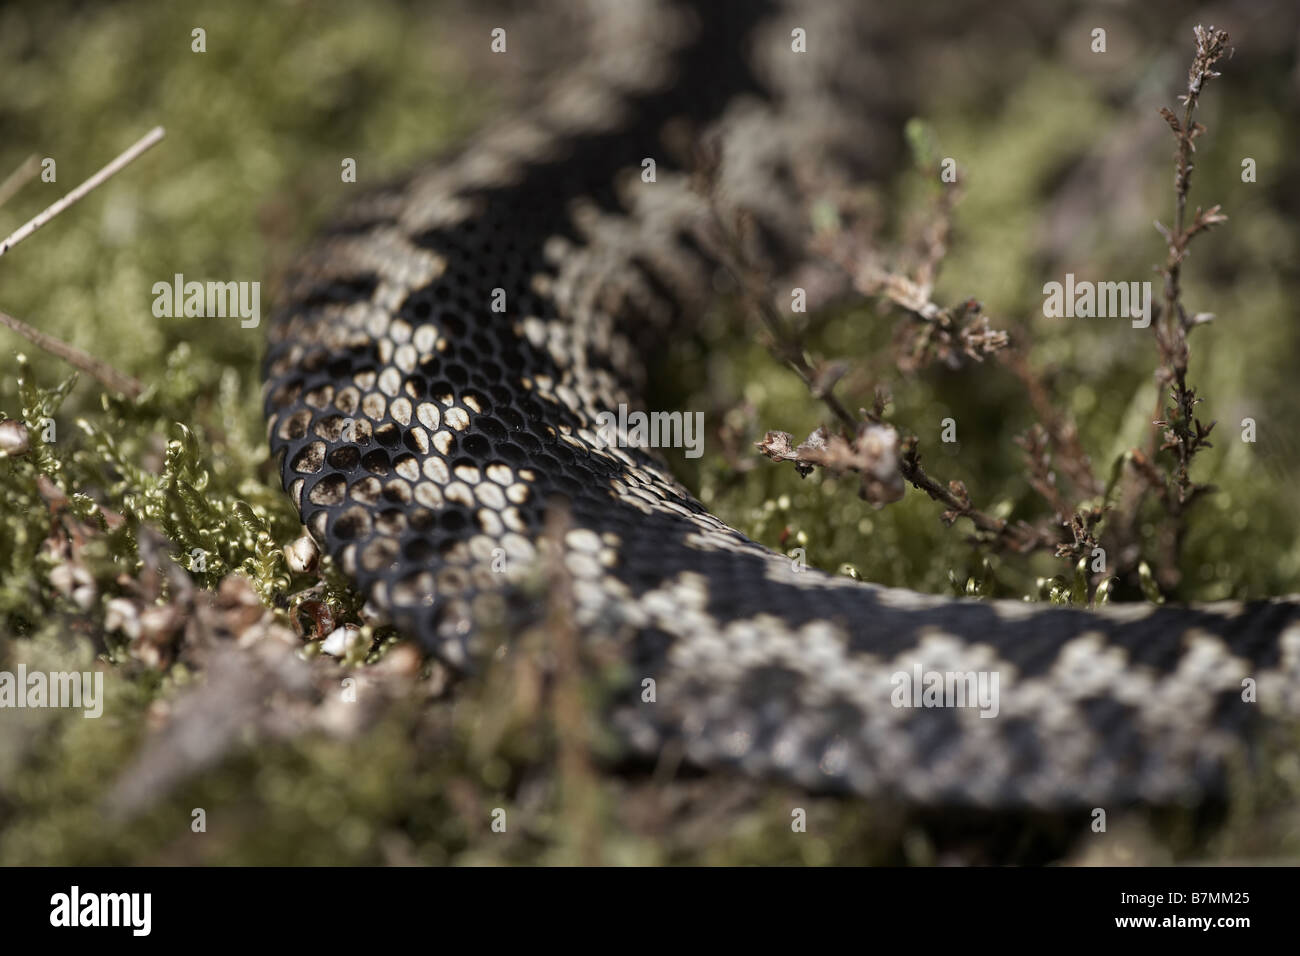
x=434, y=384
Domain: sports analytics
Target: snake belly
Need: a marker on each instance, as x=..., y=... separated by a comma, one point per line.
x=434, y=384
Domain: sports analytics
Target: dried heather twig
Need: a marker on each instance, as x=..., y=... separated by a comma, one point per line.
x=126, y=158
x=1183, y=433
x=19, y=178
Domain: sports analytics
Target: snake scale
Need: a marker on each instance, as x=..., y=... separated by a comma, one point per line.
x=433, y=386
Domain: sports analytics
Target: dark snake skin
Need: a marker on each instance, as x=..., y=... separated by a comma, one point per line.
x=423, y=434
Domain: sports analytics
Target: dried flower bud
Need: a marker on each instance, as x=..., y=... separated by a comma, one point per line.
x=302, y=555
x=340, y=640
x=13, y=437
x=878, y=452
x=374, y=615
x=776, y=445
x=159, y=622
x=74, y=581
x=122, y=614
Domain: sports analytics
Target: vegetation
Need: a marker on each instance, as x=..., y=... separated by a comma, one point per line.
x=144, y=537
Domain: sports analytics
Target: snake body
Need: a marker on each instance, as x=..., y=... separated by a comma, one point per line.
x=434, y=385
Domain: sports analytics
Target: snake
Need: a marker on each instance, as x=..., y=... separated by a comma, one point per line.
x=445, y=353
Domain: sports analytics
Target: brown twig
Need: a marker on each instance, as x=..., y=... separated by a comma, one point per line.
x=784, y=344
x=575, y=771
x=19, y=178
x=110, y=377
x=123, y=160
x=1184, y=434
x=101, y=370
x=1018, y=536
x=1059, y=426
x=868, y=446
x=1171, y=331
x=1038, y=460
x=942, y=333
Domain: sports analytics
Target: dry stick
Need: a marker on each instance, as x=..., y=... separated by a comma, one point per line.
x=754, y=289
x=575, y=770
x=789, y=350
x=1060, y=430
x=909, y=464
x=1171, y=331
x=914, y=297
x=101, y=370
x=109, y=376
x=1060, y=427
x=792, y=354
x=19, y=178
x=1173, y=339
x=150, y=139
x=934, y=239
x=914, y=473
x=1021, y=537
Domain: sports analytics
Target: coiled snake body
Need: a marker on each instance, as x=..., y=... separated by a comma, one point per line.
x=435, y=380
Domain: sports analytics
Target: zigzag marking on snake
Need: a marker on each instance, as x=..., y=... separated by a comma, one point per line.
x=420, y=434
